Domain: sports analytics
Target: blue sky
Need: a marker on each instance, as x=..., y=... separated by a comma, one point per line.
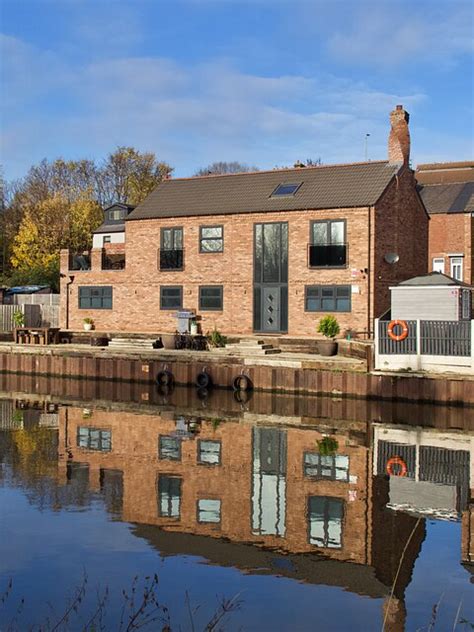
x=265, y=82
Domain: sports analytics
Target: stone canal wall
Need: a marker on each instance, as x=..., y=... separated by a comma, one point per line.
x=265, y=374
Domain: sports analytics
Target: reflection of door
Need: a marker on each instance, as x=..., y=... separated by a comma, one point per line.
x=271, y=277
x=271, y=308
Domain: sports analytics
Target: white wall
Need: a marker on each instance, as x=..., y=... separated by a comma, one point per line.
x=115, y=238
x=425, y=303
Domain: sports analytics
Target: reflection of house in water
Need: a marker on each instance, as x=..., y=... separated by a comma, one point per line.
x=437, y=479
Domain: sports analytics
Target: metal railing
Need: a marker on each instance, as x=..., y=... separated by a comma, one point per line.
x=80, y=261
x=170, y=259
x=327, y=255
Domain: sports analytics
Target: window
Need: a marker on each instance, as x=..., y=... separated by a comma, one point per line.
x=169, y=448
x=171, y=297
x=209, y=452
x=328, y=298
x=117, y=214
x=171, y=251
x=211, y=239
x=94, y=439
x=106, y=239
x=210, y=298
x=438, y=264
x=335, y=468
x=286, y=189
x=209, y=510
x=456, y=268
x=466, y=304
x=169, y=496
x=328, y=248
x=95, y=297
x=325, y=521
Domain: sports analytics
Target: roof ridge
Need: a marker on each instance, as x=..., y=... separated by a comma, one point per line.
x=286, y=169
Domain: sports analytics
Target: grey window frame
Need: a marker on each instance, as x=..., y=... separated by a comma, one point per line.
x=160, y=447
x=122, y=214
x=320, y=466
x=320, y=298
x=198, y=511
x=201, y=239
x=171, y=287
x=80, y=298
x=101, y=438
x=167, y=514
x=328, y=223
x=200, y=461
x=106, y=239
x=275, y=193
x=327, y=500
x=211, y=309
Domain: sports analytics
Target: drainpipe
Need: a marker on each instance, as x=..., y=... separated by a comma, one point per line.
x=71, y=280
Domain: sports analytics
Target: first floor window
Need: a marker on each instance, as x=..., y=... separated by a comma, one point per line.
x=438, y=264
x=171, y=297
x=210, y=298
x=325, y=521
x=209, y=510
x=456, y=268
x=211, y=239
x=328, y=298
x=169, y=496
x=95, y=297
x=94, y=439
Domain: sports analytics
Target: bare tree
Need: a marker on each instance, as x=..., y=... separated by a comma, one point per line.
x=217, y=168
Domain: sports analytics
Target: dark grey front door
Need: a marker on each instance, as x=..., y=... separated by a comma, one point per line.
x=271, y=308
x=270, y=304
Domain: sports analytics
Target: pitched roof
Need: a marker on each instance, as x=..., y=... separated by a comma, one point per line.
x=444, y=172
x=433, y=278
x=448, y=198
x=331, y=186
x=110, y=228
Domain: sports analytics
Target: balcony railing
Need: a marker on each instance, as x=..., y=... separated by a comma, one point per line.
x=171, y=259
x=115, y=261
x=80, y=261
x=327, y=255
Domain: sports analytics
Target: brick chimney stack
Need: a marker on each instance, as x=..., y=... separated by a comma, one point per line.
x=399, y=139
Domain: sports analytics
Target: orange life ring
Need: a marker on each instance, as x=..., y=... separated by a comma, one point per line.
x=391, y=326
x=396, y=460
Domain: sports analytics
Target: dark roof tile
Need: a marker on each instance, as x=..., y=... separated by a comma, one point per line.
x=448, y=198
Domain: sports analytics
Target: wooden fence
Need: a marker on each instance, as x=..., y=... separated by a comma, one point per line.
x=35, y=316
x=34, y=299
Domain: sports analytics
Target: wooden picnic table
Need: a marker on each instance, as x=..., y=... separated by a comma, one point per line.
x=36, y=335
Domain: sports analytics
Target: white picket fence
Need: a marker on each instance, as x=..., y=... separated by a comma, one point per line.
x=35, y=316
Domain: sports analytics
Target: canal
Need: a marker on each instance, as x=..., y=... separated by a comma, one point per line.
x=258, y=512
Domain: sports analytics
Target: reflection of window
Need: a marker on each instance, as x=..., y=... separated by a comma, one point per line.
x=325, y=521
x=209, y=452
x=169, y=448
x=328, y=298
x=209, y=510
x=95, y=297
x=169, y=496
x=211, y=239
x=94, y=439
x=334, y=467
x=456, y=268
x=438, y=264
x=210, y=298
x=171, y=297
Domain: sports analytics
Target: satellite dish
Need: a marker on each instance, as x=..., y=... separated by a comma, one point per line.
x=391, y=257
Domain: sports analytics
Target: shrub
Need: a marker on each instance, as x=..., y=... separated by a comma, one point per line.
x=18, y=319
x=328, y=446
x=216, y=339
x=328, y=326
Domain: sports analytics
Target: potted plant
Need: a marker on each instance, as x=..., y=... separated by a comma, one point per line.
x=328, y=446
x=18, y=319
x=329, y=327
x=88, y=324
x=216, y=339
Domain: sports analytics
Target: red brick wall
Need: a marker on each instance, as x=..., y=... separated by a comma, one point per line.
x=401, y=226
x=452, y=233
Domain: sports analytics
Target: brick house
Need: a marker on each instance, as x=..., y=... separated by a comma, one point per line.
x=267, y=252
x=447, y=190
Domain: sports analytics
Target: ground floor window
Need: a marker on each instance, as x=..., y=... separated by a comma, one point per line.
x=328, y=298
x=94, y=439
x=209, y=510
x=325, y=521
x=210, y=298
x=171, y=297
x=95, y=297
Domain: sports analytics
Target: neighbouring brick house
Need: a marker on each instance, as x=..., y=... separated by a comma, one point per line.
x=447, y=190
x=267, y=252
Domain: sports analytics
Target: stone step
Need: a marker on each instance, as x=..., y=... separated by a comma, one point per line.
x=252, y=352
x=248, y=346
x=131, y=342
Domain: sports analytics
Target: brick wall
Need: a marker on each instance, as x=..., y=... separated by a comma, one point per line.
x=401, y=227
x=452, y=233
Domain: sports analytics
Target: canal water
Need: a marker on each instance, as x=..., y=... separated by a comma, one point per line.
x=184, y=509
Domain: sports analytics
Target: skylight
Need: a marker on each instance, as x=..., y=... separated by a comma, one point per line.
x=286, y=189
